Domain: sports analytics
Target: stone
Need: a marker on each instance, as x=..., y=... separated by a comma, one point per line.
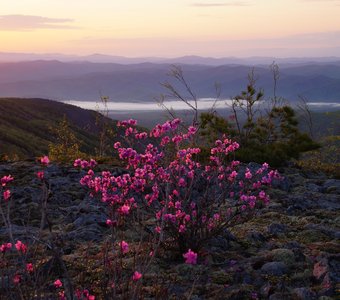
x=284, y=255
x=275, y=268
x=304, y=294
x=279, y=296
x=277, y=229
x=90, y=218
x=331, y=186
x=312, y=187
x=256, y=237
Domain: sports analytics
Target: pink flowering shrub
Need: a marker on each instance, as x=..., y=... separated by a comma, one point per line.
x=166, y=196
x=188, y=202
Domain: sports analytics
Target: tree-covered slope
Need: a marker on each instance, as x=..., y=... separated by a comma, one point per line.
x=26, y=126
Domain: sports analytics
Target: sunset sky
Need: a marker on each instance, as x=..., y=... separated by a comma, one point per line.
x=169, y=28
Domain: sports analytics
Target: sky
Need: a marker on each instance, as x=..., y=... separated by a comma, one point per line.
x=172, y=28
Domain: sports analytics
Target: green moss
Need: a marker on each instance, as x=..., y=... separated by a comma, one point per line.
x=284, y=255
x=221, y=277
x=311, y=236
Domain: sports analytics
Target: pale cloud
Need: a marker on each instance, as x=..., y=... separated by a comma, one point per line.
x=219, y=4
x=29, y=23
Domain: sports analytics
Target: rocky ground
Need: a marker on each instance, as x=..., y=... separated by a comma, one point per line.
x=290, y=250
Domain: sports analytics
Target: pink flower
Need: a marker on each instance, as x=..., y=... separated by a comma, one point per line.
x=181, y=228
x=58, y=284
x=248, y=174
x=5, y=247
x=29, y=267
x=191, y=174
x=232, y=176
x=6, y=179
x=132, y=122
x=136, y=276
x=16, y=279
x=62, y=295
x=111, y=223
x=262, y=194
x=192, y=130
x=77, y=162
x=124, y=246
x=125, y=209
x=93, y=163
x=21, y=247
x=190, y=257
x=181, y=182
x=45, y=160
x=7, y=194
x=216, y=217
x=175, y=192
x=84, y=164
x=40, y=175
x=116, y=145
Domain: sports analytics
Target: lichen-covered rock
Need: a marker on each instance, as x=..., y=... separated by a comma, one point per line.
x=331, y=186
x=304, y=294
x=275, y=268
x=284, y=255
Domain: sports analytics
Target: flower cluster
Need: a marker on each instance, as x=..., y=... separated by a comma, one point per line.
x=80, y=294
x=190, y=201
x=6, y=193
x=22, y=270
x=19, y=245
x=6, y=179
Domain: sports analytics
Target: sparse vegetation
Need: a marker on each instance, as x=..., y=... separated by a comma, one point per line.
x=266, y=132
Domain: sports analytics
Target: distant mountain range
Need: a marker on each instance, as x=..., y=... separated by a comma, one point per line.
x=82, y=80
x=188, y=59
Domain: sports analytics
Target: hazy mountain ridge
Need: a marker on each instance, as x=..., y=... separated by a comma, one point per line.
x=142, y=82
x=187, y=59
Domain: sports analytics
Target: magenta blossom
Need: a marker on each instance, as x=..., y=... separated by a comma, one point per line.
x=125, y=209
x=21, y=247
x=58, y=283
x=7, y=194
x=40, y=175
x=5, y=247
x=190, y=257
x=124, y=246
x=45, y=160
x=16, y=279
x=6, y=179
x=136, y=276
x=29, y=267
